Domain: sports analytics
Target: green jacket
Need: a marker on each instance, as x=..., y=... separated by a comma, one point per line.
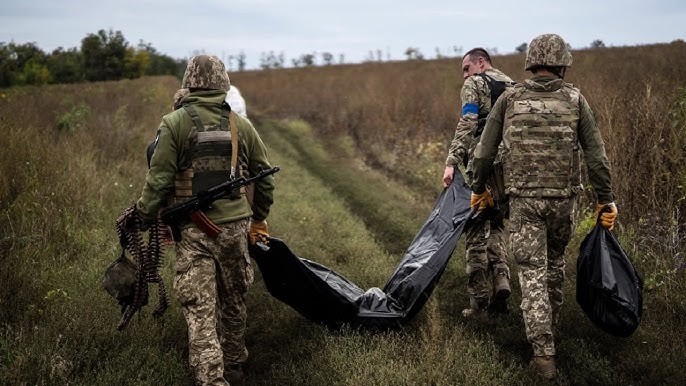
x=587, y=132
x=172, y=154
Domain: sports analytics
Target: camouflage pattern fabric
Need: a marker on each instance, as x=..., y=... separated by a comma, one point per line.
x=485, y=242
x=587, y=133
x=486, y=255
x=206, y=72
x=474, y=91
x=540, y=141
x=540, y=229
x=548, y=50
x=178, y=97
x=212, y=277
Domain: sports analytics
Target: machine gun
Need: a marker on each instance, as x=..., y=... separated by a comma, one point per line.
x=192, y=208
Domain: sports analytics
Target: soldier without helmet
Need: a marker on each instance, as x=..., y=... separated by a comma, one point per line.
x=485, y=237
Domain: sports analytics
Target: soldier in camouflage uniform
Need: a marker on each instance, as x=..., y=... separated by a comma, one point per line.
x=195, y=151
x=485, y=237
x=542, y=124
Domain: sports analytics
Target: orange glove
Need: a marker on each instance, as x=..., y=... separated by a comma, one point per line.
x=258, y=232
x=607, y=217
x=483, y=200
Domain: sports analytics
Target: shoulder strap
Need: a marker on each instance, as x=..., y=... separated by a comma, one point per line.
x=234, y=143
x=194, y=116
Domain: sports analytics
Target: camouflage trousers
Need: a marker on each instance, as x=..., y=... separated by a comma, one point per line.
x=212, y=277
x=486, y=255
x=540, y=229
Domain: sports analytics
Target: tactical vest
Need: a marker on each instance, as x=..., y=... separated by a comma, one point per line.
x=214, y=157
x=497, y=87
x=541, y=141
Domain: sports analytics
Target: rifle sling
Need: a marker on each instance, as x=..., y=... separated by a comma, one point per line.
x=234, y=143
x=206, y=225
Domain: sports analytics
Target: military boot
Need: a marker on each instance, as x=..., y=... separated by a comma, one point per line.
x=544, y=366
x=501, y=286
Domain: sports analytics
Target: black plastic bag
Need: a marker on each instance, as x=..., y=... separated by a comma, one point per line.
x=322, y=295
x=608, y=288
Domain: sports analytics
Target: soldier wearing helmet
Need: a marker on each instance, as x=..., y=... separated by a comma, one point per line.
x=485, y=237
x=194, y=151
x=543, y=124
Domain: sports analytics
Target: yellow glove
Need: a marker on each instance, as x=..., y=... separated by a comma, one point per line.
x=483, y=200
x=608, y=217
x=258, y=232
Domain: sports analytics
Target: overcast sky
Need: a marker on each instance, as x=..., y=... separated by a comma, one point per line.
x=351, y=27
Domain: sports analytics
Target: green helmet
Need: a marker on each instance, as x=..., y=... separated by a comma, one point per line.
x=120, y=279
x=548, y=50
x=206, y=71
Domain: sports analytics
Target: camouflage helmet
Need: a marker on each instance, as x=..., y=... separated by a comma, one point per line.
x=120, y=279
x=207, y=72
x=548, y=50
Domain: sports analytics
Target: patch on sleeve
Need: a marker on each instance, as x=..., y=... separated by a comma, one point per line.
x=470, y=108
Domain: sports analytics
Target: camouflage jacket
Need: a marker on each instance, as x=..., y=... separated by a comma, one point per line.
x=587, y=133
x=476, y=101
x=172, y=155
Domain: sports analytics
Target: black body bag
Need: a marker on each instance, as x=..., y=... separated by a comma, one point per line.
x=324, y=296
x=608, y=288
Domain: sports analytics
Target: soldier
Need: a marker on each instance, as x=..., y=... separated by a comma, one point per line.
x=542, y=123
x=485, y=238
x=195, y=150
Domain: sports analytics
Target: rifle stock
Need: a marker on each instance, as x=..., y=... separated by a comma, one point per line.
x=191, y=209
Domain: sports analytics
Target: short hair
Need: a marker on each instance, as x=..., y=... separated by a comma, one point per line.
x=478, y=52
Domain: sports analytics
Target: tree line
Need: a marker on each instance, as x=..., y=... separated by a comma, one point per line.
x=105, y=55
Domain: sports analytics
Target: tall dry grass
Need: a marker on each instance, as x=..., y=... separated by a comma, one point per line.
x=401, y=117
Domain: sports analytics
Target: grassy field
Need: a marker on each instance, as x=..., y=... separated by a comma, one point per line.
x=73, y=159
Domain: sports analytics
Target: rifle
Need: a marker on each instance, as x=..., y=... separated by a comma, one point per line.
x=191, y=209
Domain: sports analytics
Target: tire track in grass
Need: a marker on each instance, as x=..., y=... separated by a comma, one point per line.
x=392, y=212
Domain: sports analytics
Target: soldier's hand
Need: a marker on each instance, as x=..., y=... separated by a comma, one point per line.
x=482, y=200
x=608, y=214
x=258, y=232
x=448, y=176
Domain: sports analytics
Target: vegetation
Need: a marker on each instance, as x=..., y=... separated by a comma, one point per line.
x=105, y=55
x=361, y=149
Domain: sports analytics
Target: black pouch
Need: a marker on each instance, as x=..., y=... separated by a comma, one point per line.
x=608, y=288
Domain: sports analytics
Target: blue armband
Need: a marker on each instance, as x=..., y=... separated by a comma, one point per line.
x=470, y=108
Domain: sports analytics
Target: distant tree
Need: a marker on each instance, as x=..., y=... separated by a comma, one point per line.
x=8, y=65
x=522, y=48
x=135, y=63
x=65, y=66
x=34, y=72
x=327, y=58
x=241, y=61
x=307, y=60
x=341, y=58
x=413, y=53
x=379, y=55
x=22, y=64
x=271, y=60
x=159, y=64
x=438, y=53
x=104, y=55
x=597, y=44
x=457, y=50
